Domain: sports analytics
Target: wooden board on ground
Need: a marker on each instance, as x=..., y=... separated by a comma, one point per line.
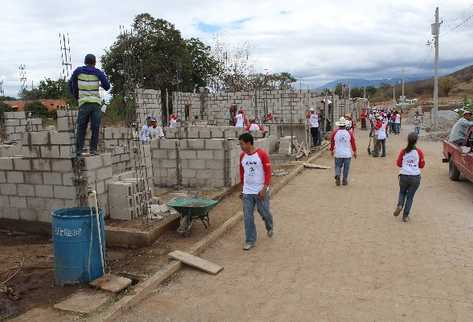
x=111, y=283
x=196, y=262
x=83, y=301
x=315, y=166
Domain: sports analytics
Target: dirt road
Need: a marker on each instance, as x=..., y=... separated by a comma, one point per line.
x=338, y=254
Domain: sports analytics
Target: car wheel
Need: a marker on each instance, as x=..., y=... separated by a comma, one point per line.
x=453, y=172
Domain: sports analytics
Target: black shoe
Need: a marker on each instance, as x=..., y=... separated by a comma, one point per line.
x=345, y=182
x=397, y=211
x=337, y=180
x=405, y=218
x=94, y=153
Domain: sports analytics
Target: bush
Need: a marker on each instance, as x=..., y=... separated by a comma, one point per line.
x=37, y=109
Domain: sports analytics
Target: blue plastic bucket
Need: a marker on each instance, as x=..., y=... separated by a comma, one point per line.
x=76, y=245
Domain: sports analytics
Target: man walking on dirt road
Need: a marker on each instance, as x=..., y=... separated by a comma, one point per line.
x=255, y=177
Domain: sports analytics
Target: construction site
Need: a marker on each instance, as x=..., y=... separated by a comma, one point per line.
x=150, y=227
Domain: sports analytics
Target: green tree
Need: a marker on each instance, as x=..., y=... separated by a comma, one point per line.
x=37, y=109
x=155, y=55
x=5, y=108
x=339, y=89
x=49, y=89
x=446, y=85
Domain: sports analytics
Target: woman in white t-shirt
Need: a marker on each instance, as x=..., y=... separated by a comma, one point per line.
x=410, y=160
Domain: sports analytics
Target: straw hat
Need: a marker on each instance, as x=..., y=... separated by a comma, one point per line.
x=341, y=122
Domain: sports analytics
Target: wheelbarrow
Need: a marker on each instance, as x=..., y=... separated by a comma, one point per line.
x=191, y=209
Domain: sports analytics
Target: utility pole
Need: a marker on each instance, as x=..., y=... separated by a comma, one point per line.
x=436, y=34
x=2, y=92
x=403, y=98
x=22, y=78
x=394, y=95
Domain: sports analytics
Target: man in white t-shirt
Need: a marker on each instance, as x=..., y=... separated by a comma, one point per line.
x=255, y=177
x=313, y=122
x=342, y=147
x=240, y=120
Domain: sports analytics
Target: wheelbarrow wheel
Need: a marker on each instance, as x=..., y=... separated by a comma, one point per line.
x=185, y=226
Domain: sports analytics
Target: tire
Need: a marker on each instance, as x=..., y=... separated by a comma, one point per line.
x=453, y=172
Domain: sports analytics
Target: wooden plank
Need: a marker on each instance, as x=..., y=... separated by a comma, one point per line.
x=315, y=166
x=196, y=262
x=111, y=283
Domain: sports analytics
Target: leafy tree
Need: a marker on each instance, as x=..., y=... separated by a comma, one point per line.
x=37, y=109
x=446, y=85
x=155, y=55
x=5, y=108
x=7, y=98
x=339, y=89
x=357, y=92
x=49, y=89
x=370, y=91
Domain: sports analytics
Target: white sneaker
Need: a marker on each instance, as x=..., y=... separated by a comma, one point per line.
x=248, y=246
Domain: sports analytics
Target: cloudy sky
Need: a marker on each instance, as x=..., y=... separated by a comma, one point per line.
x=318, y=41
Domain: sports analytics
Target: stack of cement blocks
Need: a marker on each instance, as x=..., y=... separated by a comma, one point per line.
x=66, y=120
x=128, y=198
x=16, y=125
x=148, y=102
x=96, y=173
x=192, y=162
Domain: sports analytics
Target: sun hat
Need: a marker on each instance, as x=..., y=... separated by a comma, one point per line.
x=341, y=122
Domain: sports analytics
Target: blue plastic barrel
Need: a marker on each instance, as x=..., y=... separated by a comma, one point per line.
x=76, y=245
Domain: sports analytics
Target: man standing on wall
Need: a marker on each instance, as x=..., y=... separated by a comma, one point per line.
x=84, y=86
x=255, y=177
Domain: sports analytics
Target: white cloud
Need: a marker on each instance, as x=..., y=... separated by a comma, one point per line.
x=317, y=40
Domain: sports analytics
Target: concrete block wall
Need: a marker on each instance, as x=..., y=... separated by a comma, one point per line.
x=279, y=102
x=16, y=124
x=148, y=102
x=193, y=162
x=205, y=132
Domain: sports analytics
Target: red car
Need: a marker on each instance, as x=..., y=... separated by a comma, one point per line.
x=459, y=158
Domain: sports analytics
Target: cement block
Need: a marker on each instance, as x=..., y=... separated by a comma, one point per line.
x=61, y=138
x=4, y=201
x=27, y=214
x=3, y=177
x=50, y=152
x=168, y=144
x=6, y=163
x=10, y=213
x=65, y=192
x=40, y=138
x=214, y=144
x=22, y=164
x=8, y=189
x=18, y=202
x=52, y=178
x=68, y=179
x=196, y=144
x=104, y=173
x=44, y=215
x=214, y=164
x=44, y=191
x=197, y=164
x=15, y=177
x=61, y=165
x=188, y=155
x=26, y=190
x=33, y=177
x=41, y=165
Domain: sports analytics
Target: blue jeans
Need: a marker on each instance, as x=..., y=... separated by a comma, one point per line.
x=417, y=130
x=249, y=203
x=342, y=163
x=92, y=112
x=408, y=186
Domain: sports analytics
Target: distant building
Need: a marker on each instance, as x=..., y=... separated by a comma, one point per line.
x=51, y=104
